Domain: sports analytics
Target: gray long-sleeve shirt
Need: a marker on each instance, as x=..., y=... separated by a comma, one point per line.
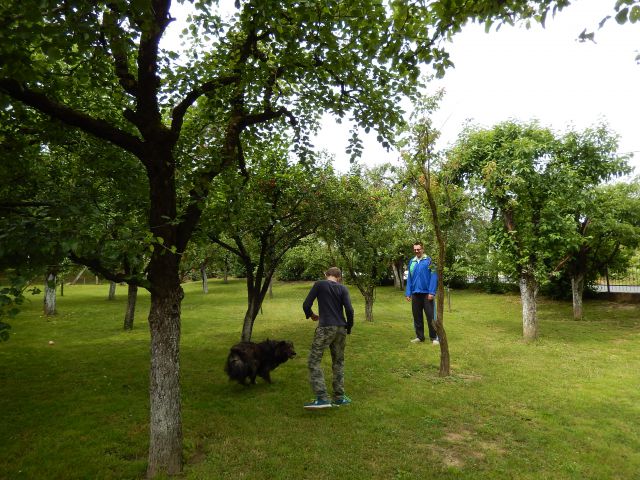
x=333, y=303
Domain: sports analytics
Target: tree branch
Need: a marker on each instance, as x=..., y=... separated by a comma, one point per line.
x=94, y=126
x=148, y=80
x=97, y=267
x=117, y=45
x=180, y=110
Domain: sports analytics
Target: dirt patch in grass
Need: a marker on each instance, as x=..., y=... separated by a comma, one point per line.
x=462, y=446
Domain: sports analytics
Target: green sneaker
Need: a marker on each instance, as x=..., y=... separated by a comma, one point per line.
x=317, y=404
x=344, y=400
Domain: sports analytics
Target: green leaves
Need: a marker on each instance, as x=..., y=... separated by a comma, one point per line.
x=537, y=182
x=627, y=11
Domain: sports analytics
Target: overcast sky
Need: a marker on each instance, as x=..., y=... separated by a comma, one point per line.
x=543, y=74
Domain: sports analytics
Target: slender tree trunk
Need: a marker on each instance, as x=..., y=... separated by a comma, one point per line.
x=253, y=308
x=528, y=295
x=112, y=291
x=577, y=289
x=445, y=358
x=50, y=294
x=398, y=277
x=75, y=280
x=257, y=288
x=369, y=298
x=132, y=297
x=62, y=287
x=205, y=280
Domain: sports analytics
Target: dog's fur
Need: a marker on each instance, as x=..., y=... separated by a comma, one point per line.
x=249, y=360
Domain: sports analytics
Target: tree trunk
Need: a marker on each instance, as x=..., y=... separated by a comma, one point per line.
x=368, y=305
x=225, y=275
x=528, y=295
x=577, y=288
x=165, y=436
x=75, y=280
x=397, y=267
x=445, y=356
x=205, y=280
x=165, y=422
x=112, y=291
x=438, y=318
x=50, y=294
x=253, y=308
x=132, y=297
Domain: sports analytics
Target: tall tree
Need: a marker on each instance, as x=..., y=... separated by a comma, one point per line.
x=593, y=160
x=261, y=217
x=513, y=167
x=362, y=229
x=443, y=200
x=99, y=67
x=609, y=228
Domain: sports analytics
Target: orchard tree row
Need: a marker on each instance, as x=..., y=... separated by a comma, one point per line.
x=119, y=150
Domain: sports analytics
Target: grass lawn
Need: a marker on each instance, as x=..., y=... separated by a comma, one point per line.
x=564, y=407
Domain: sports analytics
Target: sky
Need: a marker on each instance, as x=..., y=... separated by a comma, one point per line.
x=538, y=73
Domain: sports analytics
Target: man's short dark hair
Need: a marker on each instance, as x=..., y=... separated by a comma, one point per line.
x=333, y=272
x=418, y=242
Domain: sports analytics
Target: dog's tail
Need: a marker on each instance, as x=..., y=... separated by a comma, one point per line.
x=236, y=367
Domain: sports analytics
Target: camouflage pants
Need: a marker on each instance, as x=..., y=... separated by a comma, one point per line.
x=335, y=338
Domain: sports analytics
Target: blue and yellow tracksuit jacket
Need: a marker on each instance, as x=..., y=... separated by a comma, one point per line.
x=421, y=276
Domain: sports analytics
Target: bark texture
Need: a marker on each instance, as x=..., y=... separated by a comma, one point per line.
x=577, y=289
x=50, y=294
x=397, y=268
x=112, y=290
x=205, y=280
x=253, y=308
x=528, y=295
x=132, y=298
x=368, y=306
x=165, y=427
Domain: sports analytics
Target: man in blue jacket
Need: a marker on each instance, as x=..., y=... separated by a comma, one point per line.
x=422, y=282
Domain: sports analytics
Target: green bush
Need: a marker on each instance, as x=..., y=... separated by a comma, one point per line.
x=307, y=261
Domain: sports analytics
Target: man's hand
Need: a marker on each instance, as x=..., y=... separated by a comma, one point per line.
x=315, y=317
x=429, y=297
x=408, y=298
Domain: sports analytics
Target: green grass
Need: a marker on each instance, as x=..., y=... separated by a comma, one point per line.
x=564, y=407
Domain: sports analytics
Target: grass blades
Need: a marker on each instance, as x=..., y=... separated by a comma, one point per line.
x=564, y=407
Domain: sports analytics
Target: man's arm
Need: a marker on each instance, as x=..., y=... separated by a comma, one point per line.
x=348, y=308
x=308, y=302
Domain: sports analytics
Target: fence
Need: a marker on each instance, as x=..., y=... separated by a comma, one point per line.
x=628, y=282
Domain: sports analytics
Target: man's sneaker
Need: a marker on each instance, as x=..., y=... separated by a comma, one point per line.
x=435, y=341
x=416, y=340
x=343, y=400
x=317, y=404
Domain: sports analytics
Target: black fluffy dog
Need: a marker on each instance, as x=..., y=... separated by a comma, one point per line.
x=251, y=360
